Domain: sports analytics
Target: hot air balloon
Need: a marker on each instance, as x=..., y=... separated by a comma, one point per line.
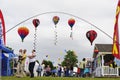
x=56, y=19
x=36, y=22
x=71, y=22
x=91, y=35
x=23, y=32
x=96, y=51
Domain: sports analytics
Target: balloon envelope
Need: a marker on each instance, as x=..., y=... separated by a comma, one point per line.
x=91, y=35
x=23, y=32
x=71, y=22
x=56, y=19
x=36, y=22
x=96, y=51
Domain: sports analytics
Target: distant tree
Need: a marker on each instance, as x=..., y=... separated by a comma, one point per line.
x=70, y=60
x=48, y=63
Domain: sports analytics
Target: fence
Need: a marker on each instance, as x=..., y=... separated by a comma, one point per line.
x=106, y=71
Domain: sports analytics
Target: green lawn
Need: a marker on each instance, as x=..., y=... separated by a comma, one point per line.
x=56, y=78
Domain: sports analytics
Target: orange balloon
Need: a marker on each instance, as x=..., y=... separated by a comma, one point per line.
x=23, y=32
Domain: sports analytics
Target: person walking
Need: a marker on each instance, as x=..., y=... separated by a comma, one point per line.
x=19, y=66
x=39, y=70
x=48, y=70
x=82, y=67
x=32, y=61
x=59, y=70
x=43, y=69
x=23, y=62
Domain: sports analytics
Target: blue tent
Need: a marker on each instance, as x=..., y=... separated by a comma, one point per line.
x=5, y=49
x=7, y=55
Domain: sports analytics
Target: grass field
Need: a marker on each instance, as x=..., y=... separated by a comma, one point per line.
x=56, y=78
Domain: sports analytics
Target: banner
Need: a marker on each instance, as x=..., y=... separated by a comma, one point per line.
x=115, y=50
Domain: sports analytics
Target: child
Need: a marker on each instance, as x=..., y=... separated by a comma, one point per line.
x=39, y=70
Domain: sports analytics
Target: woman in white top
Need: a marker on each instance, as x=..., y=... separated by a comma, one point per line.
x=32, y=63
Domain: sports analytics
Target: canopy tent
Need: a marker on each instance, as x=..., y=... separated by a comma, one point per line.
x=6, y=56
x=5, y=49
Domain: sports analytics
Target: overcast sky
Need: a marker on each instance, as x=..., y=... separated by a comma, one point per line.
x=101, y=13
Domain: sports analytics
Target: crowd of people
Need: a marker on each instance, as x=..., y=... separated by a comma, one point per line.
x=41, y=70
x=82, y=70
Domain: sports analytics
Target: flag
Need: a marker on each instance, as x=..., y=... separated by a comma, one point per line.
x=115, y=48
